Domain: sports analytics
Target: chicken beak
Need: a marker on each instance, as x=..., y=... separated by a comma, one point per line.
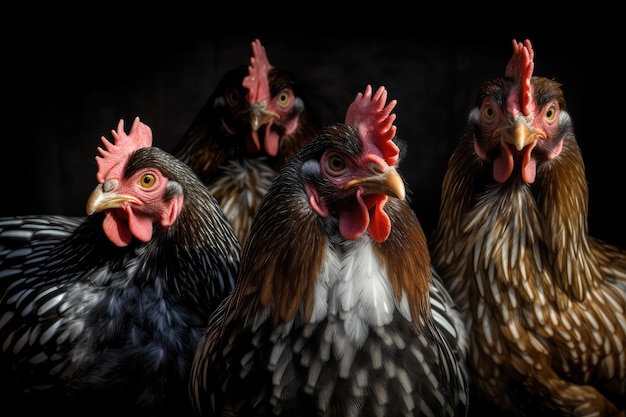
x=389, y=183
x=259, y=116
x=101, y=200
x=521, y=135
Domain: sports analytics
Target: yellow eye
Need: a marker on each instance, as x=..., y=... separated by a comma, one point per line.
x=488, y=111
x=551, y=113
x=336, y=163
x=147, y=180
x=284, y=98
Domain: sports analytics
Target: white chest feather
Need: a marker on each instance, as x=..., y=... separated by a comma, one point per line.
x=353, y=288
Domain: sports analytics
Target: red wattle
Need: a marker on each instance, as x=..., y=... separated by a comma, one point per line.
x=253, y=145
x=116, y=230
x=529, y=166
x=353, y=221
x=380, y=225
x=271, y=141
x=140, y=226
x=503, y=165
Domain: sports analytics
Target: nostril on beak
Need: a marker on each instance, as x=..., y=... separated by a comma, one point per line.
x=109, y=186
x=376, y=168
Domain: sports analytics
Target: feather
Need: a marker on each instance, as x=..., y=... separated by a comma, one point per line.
x=254, y=120
x=333, y=320
x=98, y=324
x=512, y=247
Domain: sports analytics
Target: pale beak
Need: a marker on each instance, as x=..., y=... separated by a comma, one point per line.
x=389, y=183
x=520, y=135
x=259, y=116
x=101, y=200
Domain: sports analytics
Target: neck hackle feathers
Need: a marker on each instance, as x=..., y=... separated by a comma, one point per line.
x=113, y=154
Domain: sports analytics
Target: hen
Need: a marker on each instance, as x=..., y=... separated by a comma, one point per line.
x=101, y=314
x=336, y=311
x=544, y=302
x=253, y=122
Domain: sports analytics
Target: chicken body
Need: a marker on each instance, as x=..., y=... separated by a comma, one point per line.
x=101, y=314
x=544, y=302
x=253, y=122
x=336, y=311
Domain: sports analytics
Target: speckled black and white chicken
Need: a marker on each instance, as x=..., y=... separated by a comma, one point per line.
x=336, y=310
x=253, y=122
x=100, y=315
x=544, y=302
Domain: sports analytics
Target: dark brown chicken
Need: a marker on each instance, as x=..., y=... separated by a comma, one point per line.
x=544, y=302
x=100, y=315
x=253, y=122
x=337, y=311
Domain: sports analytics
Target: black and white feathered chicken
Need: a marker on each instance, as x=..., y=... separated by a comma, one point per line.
x=100, y=315
x=336, y=311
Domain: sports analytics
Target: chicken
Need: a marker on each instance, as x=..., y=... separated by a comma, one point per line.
x=253, y=122
x=544, y=303
x=336, y=310
x=101, y=314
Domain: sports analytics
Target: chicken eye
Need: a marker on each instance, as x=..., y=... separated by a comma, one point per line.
x=550, y=113
x=336, y=163
x=284, y=98
x=147, y=180
x=489, y=112
x=232, y=96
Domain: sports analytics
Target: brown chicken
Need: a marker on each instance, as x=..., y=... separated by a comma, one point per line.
x=253, y=122
x=544, y=302
x=336, y=310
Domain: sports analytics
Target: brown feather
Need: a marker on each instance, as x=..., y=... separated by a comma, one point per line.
x=337, y=310
x=217, y=143
x=268, y=259
x=545, y=303
x=411, y=274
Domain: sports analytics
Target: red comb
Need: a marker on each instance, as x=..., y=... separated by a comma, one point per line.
x=256, y=82
x=374, y=121
x=114, y=155
x=520, y=68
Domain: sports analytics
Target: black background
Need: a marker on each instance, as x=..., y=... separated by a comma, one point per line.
x=68, y=82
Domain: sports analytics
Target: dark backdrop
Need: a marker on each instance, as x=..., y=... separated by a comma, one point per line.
x=68, y=86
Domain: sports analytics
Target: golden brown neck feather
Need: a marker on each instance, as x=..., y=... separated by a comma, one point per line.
x=282, y=269
x=409, y=270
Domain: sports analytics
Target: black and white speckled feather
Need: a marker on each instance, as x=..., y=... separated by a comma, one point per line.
x=111, y=329
x=321, y=325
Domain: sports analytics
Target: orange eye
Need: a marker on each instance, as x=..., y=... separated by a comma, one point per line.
x=147, y=180
x=550, y=113
x=336, y=163
x=284, y=98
